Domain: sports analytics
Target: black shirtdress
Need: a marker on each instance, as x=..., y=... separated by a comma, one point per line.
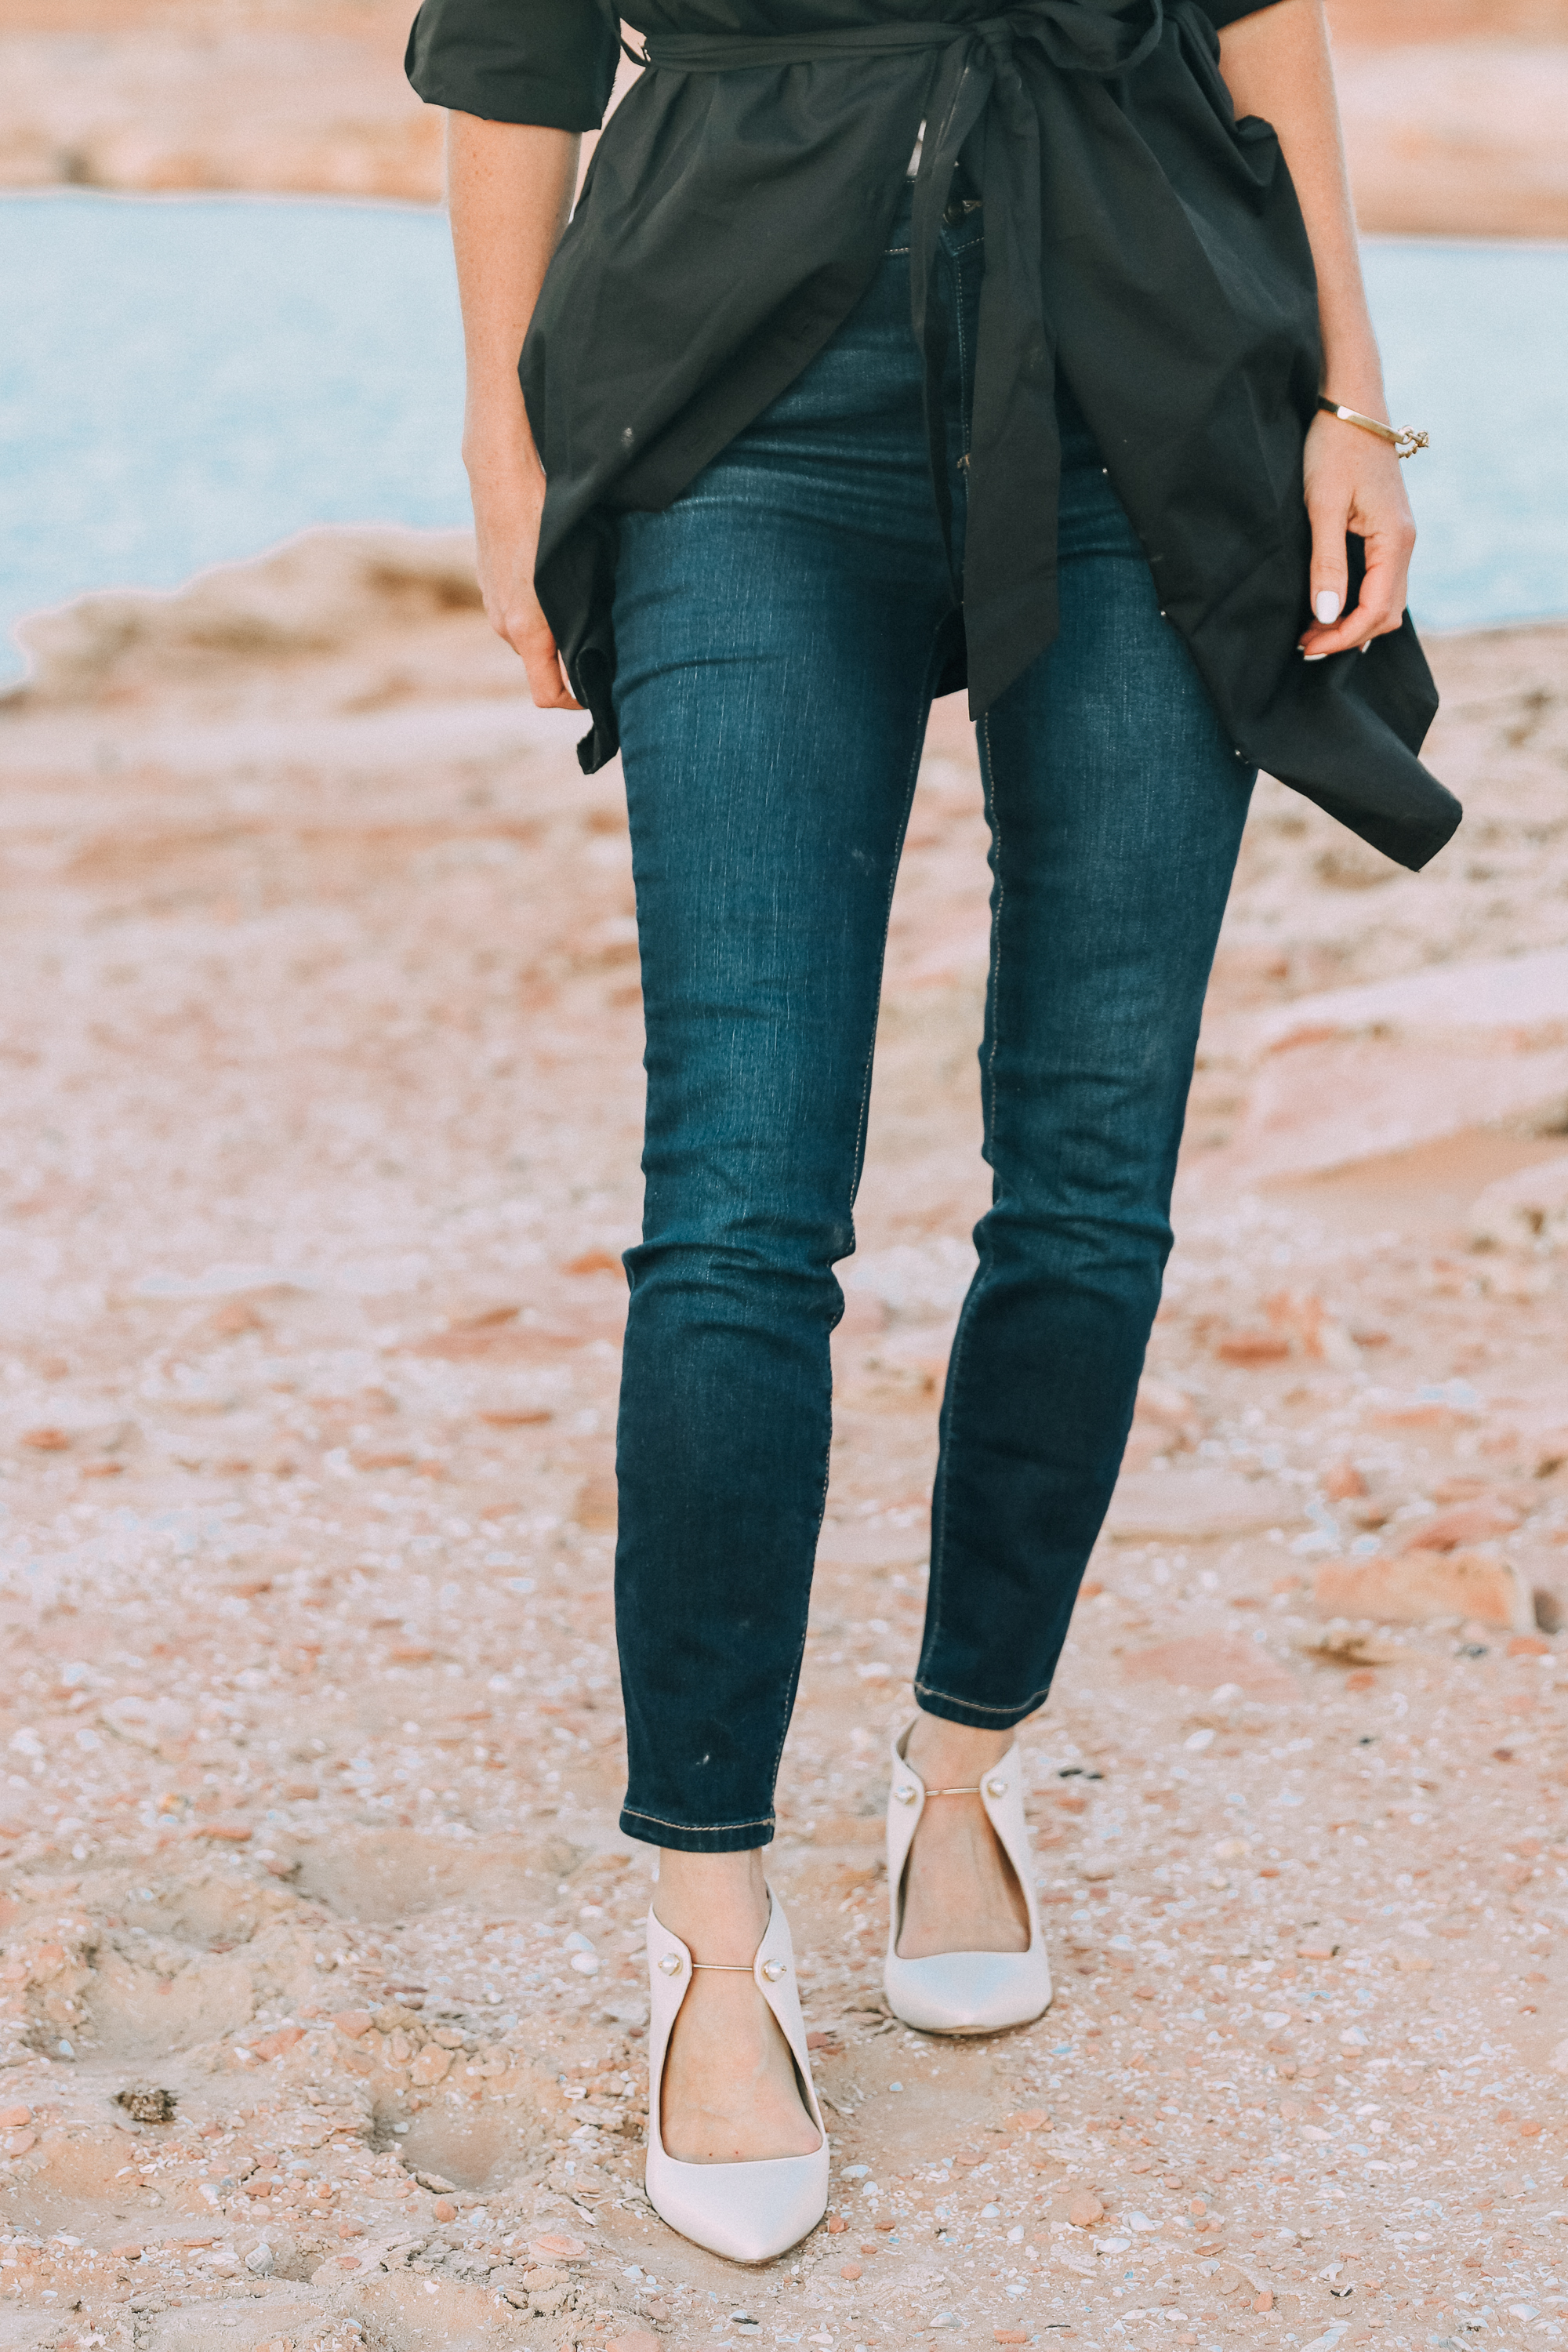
x=1139, y=240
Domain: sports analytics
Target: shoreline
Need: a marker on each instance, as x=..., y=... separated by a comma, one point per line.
x=1452, y=116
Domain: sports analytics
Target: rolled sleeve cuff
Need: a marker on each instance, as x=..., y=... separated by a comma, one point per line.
x=545, y=62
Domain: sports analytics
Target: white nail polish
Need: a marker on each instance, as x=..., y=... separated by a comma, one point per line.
x=1326, y=605
x=1315, y=657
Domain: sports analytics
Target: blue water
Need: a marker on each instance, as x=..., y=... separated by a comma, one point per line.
x=184, y=380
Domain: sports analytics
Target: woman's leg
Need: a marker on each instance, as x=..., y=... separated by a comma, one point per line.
x=778, y=632
x=1116, y=805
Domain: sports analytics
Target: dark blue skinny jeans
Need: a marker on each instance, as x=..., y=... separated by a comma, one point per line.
x=779, y=630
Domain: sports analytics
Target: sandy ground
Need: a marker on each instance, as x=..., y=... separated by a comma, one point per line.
x=1453, y=108
x=321, y=1997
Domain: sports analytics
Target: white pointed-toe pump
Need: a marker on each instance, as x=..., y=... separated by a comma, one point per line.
x=964, y=1992
x=747, y=2211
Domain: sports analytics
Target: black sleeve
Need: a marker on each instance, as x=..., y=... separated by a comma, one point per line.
x=1226, y=11
x=551, y=62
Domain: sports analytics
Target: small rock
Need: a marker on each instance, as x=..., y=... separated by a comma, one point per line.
x=274, y=2044
x=1416, y=1586
x=1526, y=1212
x=144, y=2103
x=46, y=1441
x=850, y=2269
x=1198, y=1662
x=353, y=2022
x=1345, y=1647
x=1030, y=2119
x=13, y=2117
x=836, y=2224
x=1426, y=1415
x=1084, y=2212
x=1467, y=1523
x=554, y=2246
x=1191, y=1504
x=1258, y=1347
x=431, y=2065
x=1341, y=1481
x=444, y=2209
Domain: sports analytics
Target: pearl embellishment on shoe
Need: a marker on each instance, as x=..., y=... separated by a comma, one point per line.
x=905, y=1795
x=774, y=1969
x=671, y=1964
x=997, y=1787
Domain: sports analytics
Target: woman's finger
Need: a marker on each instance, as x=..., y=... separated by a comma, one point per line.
x=547, y=679
x=1379, y=608
x=1329, y=575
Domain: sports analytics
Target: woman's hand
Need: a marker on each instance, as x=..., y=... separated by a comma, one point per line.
x=1275, y=64
x=507, y=484
x=509, y=188
x=1354, y=484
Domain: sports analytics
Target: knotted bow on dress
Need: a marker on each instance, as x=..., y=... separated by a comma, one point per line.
x=983, y=114
x=980, y=112
x=1137, y=236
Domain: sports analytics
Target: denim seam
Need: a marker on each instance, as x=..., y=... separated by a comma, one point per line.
x=887, y=925
x=955, y=1361
x=978, y=1706
x=793, y=1689
x=699, y=1829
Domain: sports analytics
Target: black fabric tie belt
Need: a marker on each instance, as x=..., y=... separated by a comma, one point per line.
x=982, y=110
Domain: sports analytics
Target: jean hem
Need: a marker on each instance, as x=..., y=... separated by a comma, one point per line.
x=704, y=1837
x=978, y=1718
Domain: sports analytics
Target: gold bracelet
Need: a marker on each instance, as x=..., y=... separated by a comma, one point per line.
x=1406, y=440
